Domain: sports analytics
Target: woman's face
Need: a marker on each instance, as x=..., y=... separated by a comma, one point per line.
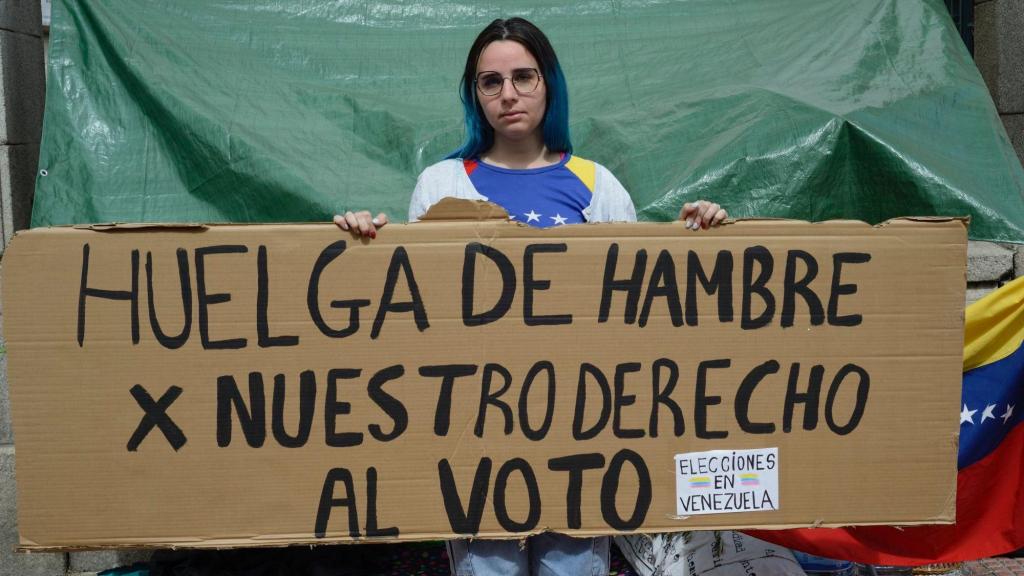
x=513, y=115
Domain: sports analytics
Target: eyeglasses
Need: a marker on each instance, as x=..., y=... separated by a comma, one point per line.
x=524, y=80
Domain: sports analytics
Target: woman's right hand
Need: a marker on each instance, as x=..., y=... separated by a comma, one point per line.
x=702, y=215
x=361, y=223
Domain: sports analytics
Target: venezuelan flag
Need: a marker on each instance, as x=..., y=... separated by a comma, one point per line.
x=700, y=482
x=990, y=482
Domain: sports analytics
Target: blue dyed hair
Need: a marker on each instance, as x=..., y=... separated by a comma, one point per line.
x=479, y=133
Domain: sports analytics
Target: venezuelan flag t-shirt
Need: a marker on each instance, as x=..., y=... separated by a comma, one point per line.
x=548, y=196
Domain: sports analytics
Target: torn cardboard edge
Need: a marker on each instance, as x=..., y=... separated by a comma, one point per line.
x=285, y=540
x=459, y=209
x=445, y=210
x=449, y=209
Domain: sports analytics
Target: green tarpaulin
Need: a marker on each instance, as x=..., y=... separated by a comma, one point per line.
x=253, y=111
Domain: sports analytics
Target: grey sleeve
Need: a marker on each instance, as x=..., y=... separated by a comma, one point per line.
x=420, y=201
x=445, y=179
x=435, y=182
x=612, y=202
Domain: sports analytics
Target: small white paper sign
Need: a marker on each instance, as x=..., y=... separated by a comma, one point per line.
x=722, y=481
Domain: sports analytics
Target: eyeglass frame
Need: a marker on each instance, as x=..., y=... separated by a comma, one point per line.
x=476, y=81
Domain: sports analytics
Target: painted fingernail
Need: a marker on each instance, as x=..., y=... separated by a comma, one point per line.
x=376, y=222
x=689, y=222
x=373, y=233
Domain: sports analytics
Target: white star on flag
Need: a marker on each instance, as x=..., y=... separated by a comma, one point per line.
x=558, y=219
x=967, y=415
x=532, y=216
x=1009, y=412
x=988, y=412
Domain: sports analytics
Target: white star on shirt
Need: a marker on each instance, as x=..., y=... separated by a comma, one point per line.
x=988, y=412
x=1009, y=412
x=532, y=216
x=558, y=219
x=967, y=415
x=511, y=216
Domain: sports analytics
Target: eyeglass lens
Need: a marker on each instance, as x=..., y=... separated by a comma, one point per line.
x=524, y=80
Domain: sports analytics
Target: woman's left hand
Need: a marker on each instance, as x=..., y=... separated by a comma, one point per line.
x=702, y=214
x=361, y=223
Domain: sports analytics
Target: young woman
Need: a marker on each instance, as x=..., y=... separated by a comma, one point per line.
x=517, y=151
x=518, y=154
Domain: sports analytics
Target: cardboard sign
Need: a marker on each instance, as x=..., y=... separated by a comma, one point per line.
x=278, y=384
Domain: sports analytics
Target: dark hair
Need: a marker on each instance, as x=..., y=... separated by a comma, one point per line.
x=480, y=134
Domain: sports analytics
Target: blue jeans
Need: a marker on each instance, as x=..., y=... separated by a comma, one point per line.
x=546, y=554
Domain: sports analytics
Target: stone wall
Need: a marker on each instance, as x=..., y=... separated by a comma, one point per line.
x=999, y=54
x=22, y=88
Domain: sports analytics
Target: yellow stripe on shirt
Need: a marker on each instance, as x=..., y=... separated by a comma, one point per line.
x=585, y=170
